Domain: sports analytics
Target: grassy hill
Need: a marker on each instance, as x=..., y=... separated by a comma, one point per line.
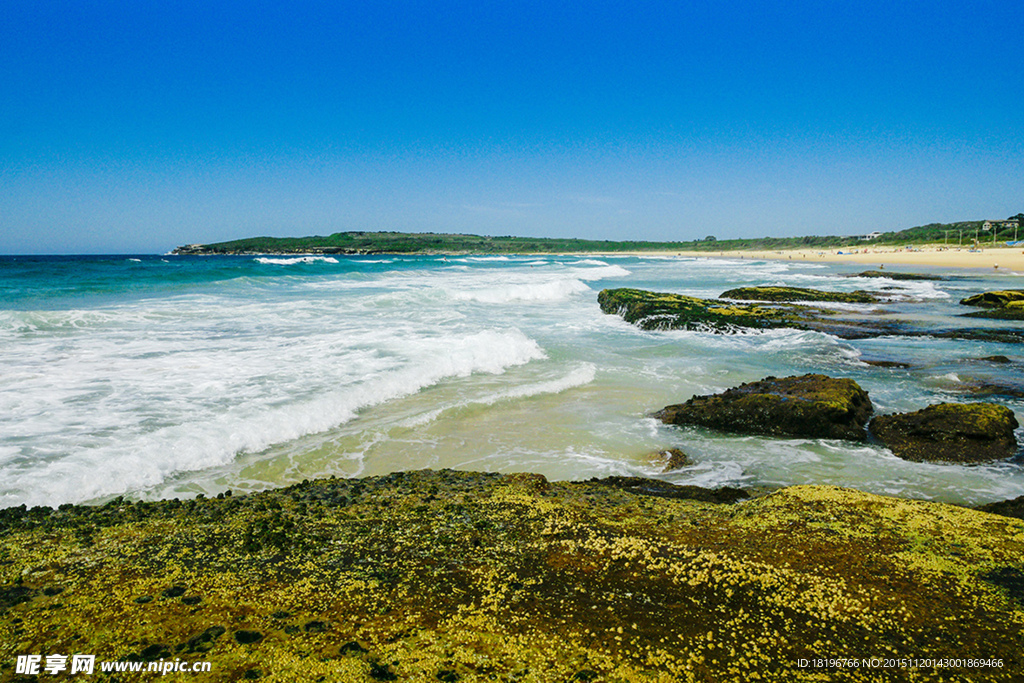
x=425, y=243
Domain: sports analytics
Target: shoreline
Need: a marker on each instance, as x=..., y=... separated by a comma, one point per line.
x=999, y=259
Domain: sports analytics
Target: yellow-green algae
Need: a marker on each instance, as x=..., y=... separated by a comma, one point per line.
x=797, y=294
x=427, y=576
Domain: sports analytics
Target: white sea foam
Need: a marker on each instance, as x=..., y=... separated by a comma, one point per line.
x=120, y=415
x=600, y=273
x=295, y=260
x=262, y=374
x=552, y=290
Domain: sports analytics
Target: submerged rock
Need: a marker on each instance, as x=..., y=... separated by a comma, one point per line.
x=813, y=406
x=950, y=432
x=898, y=276
x=672, y=459
x=798, y=294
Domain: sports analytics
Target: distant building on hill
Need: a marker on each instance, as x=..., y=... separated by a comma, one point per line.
x=1001, y=225
x=871, y=236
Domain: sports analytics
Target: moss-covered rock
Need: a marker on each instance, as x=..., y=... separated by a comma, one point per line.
x=671, y=459
x=950, y=432
x=797, y=294
x=662, y=310
x=997, y=299
x=815, y=406
x=1014, y=310
x=667, y=311
x=897, y=276
x=459, y=576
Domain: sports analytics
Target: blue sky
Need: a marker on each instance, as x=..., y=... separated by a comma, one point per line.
x=136, y=126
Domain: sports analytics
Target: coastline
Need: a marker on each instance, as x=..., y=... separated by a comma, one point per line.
x=1008, y=259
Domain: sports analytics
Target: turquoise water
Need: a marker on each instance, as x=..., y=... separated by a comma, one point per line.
x=166, y=376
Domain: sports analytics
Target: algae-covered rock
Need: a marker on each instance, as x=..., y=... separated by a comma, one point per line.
x=897, y=276
x=798, y=294
x=950, y=432
x=815, y=406
x=662, y=310
x=1013, y=310
x=997, y=299
x=462, y=576
x=666, y=311
x=671, y=459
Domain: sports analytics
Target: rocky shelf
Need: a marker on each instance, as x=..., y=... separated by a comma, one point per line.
x=461, y=576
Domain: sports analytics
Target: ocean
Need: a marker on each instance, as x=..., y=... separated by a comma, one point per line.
x=169, y=376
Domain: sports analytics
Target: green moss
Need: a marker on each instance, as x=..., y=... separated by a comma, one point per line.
x=797, y=294
x=1013, y=310
x=661, y=310
x=443, y=575
x=997, y=299
x=950, y=432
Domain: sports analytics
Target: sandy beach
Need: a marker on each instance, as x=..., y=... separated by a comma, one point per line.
x=1009, y=259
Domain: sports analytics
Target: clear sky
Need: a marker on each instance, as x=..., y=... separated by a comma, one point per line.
x=139, y=125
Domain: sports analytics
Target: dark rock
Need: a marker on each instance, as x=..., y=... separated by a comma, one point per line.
x=142, y=600
x=352, y=648
x=897, y=276
x=990, y=388
x=672, y=458
x=950, y=432
x=281, y=614
x=996, y=359
x=886, y=363
x=53, y=590
x=316, y=626
x=248, y=637
x=381, y=672
x=174, y=592
x=997, y=299
x=663, y=489
x=14, y=595
x=1007, y=508
x=203, y=642
x=191, y=600
x=252, y=674
x=154, y=652
x=797, y=294
x=814, y=406
x=447, y=676
x=1010, y=579
x=1011, y=311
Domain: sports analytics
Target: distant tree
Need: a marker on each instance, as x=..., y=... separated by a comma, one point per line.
x=710, y=238
x=1019, y=217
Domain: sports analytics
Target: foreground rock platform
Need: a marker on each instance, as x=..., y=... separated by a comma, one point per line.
x=460, y=576
x=811, y=406
x=962, y=433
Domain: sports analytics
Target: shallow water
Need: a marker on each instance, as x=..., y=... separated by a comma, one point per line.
x=169, y=376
